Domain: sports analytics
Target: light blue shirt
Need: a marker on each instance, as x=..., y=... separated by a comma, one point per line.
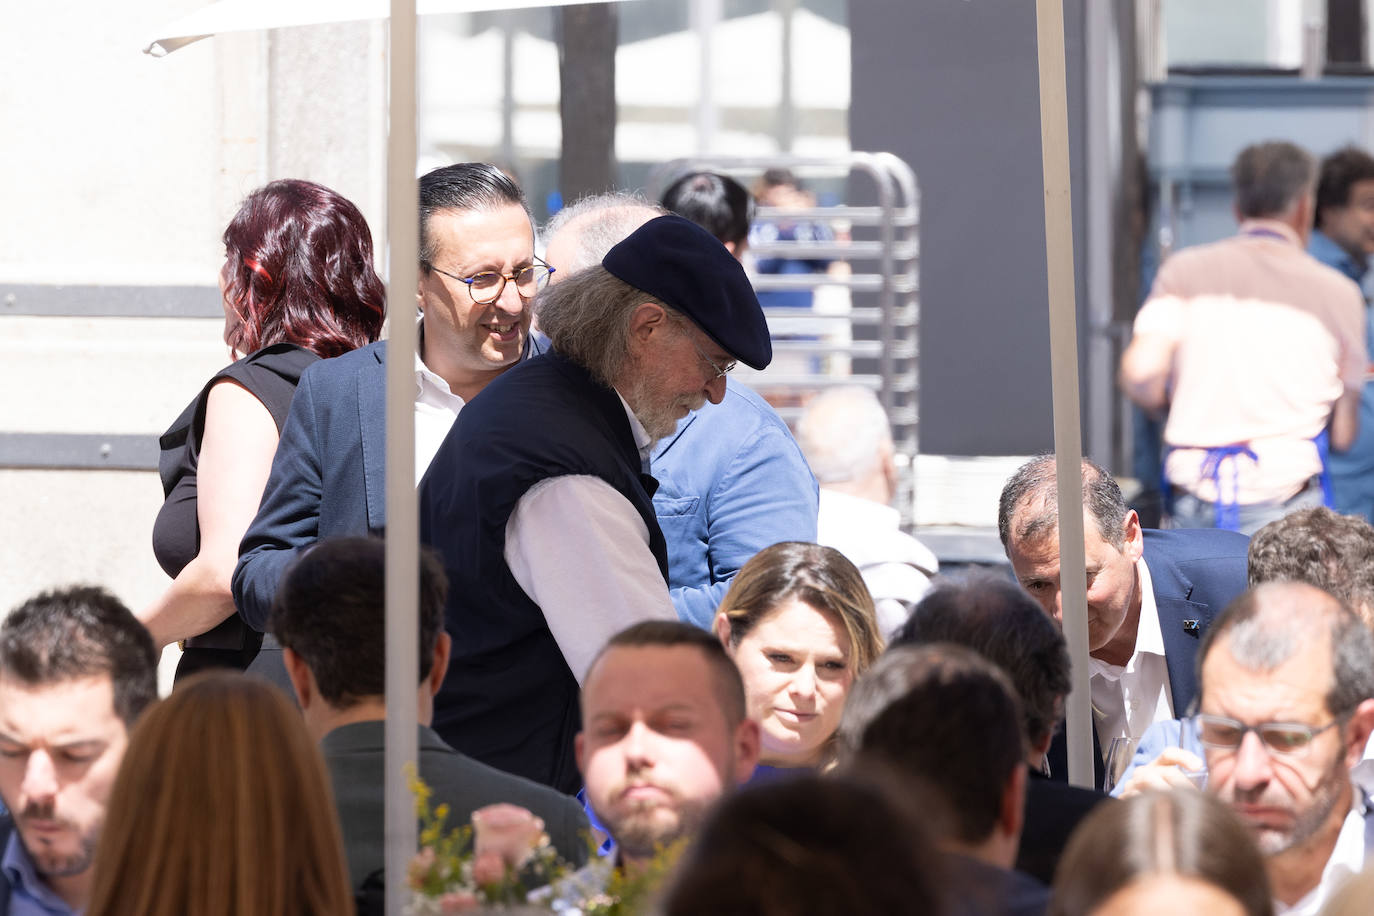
x=29, y=896
x=1352, y=471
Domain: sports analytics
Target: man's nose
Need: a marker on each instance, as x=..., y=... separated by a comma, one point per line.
x=40, y=777
x=715, y=391
x=1253, y=767
x=510, y=301
x=636, y=745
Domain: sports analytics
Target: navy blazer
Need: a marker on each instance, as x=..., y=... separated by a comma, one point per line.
x=1195, y=573
x=731, y=481
x=328, y=476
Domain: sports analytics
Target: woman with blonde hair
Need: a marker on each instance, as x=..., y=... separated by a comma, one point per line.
x=221, y=808
x=800, y=625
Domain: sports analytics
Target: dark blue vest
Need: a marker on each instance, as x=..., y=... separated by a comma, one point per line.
x=509, y=699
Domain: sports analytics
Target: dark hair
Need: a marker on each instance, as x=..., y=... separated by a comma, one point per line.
x=1190, y=834
x=1269, y=177
x=79, y=632
x=778, y=176
x=330, y=610
x=717, y=203
x=1338, y=174
x=1267, y=625
x=808, y=845
x=463, y=186
x=298, y=260
x=1035, y=488
x=1333, y=552
x=1001, y=622
x=949, y=717
x=670, y=634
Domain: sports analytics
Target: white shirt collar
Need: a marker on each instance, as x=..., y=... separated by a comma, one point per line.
x=641, y=435
x=424, y=376
x=1149, y=638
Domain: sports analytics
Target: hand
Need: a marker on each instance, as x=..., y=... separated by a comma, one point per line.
x=1164, y=773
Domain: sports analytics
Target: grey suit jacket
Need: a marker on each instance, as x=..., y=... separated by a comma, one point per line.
x=354, y=755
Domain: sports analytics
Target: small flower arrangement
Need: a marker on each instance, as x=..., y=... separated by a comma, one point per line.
x=503, y=860
x=495, y=861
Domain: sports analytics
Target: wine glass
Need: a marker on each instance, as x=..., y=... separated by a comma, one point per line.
x=1119, y=754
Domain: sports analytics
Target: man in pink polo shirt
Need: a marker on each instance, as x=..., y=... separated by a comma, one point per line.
x=1256, y=351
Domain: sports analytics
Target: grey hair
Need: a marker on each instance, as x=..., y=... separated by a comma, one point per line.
x=1035, y=488
x=587, y=318
x=602, y=221
x=1269, y=624
x=842, y=432
x=1269, y=177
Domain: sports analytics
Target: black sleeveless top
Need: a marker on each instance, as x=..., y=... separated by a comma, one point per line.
x=270, y=375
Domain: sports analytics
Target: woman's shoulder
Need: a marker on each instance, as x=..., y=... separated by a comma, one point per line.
x=281, y=359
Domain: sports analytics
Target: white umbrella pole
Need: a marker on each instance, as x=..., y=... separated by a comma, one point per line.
x=402, y=517
x=1068, y=445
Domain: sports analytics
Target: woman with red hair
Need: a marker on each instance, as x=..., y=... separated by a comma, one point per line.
x=298, y=286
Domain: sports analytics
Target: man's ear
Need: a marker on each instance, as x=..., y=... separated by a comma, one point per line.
x=1357, y=735
x=443, y=651
x=1013, y=810
x=747, y=750
x=1133, y=536
x=580, y=754
x=299, y=673
x=647, y=319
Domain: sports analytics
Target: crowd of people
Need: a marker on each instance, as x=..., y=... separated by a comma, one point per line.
x=657, y=622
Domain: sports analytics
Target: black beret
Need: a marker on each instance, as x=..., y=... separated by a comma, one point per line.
x=681, y=264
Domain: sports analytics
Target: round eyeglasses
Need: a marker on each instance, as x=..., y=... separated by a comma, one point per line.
x=486, y=287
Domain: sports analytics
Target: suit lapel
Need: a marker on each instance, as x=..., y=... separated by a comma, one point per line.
x=1181, y=623
x=371, y=381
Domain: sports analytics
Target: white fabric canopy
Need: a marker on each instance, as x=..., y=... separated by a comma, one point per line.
x=248, y=15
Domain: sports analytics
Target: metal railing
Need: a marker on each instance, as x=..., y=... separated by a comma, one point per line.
x=863, y=322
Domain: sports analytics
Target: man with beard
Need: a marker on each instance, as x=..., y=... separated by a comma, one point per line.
x=76, y=670
x=539, y=500
x=1287, y=677
x=731, y=479
x=664, y=734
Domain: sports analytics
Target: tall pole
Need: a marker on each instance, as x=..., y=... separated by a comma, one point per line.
x=1068, y=444
x=402, y=517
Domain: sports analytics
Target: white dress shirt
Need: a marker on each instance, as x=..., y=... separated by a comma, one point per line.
x=896, y=567
x=436, y=407
x=580, y=551
x=1128, y=698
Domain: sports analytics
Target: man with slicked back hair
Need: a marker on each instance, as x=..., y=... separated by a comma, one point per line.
x=478, y=274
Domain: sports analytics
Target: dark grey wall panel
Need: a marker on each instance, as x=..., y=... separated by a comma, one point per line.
x=951, y=86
